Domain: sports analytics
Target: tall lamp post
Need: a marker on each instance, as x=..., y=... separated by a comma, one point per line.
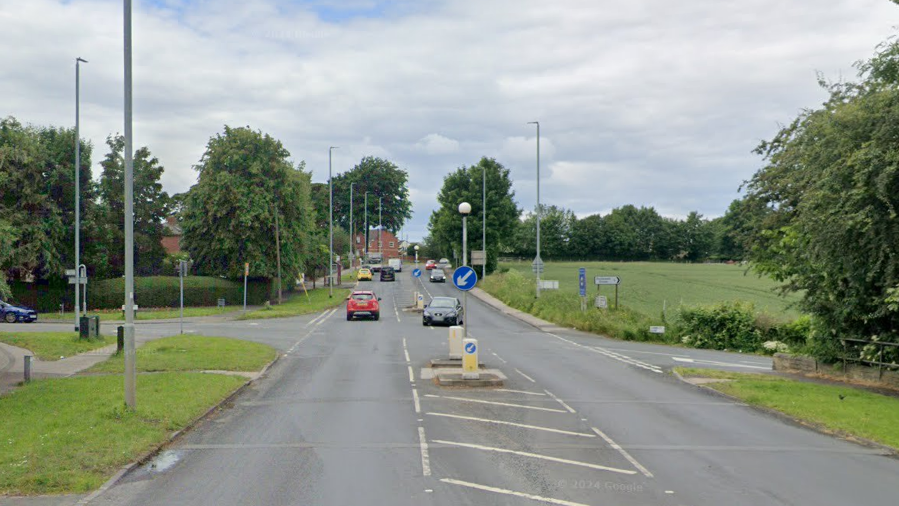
x=379, y=230
x=484, y=224
x=330, y=226
x=130, y=357
x=538, y=263
x=352, y=229
x=365, y=235
x=78, y=62
x=465, y=210
x=416, y=256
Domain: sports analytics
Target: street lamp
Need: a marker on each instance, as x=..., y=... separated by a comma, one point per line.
x=465, y=210
x=330, y=225
x=128, y=331
x=352, y=236
x=538, y=263
x=484, y=224
x=416, y=256
x=78, y=62
x=379, y=230
x=365, y=238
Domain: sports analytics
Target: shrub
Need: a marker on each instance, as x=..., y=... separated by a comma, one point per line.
x=723, y=326
x=164, y=291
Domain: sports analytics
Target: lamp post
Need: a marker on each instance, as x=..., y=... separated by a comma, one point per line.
x=78, y=62
x=465, y=210
x=379, y=230
x=352, y=229
x=537, y=261
x=330, y=226
x=130, y=357
x=365, y=235
x=416, y=256
x=484, y=224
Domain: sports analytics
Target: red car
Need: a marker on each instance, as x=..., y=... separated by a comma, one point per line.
x=363, y=303
x=430, y=264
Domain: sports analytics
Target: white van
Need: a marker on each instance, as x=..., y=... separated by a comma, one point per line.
x=396, y=263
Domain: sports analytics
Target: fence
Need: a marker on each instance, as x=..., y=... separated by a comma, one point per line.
x=858, y=359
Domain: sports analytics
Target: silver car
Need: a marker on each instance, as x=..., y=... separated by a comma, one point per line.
x=437, y=276
x=443, y=311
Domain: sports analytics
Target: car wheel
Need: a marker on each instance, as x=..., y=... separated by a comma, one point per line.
x=424, y=323
x=377, y=316
x=10, y=318
x=349, y=317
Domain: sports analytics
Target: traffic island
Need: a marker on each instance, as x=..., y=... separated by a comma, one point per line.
x=454, y=377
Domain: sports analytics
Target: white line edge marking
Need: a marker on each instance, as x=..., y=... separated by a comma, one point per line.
x=537, y=456
x=623, y=453
x=507, y=404
x=415, y=399
x=615, y=356
x=499, y=357
x=533, y=497
x=407, y=355
x=326, y=314
x=560, y=401
x=519, y=391
x=513, y=424
x=425, y=459
x=526, y=376
x=411, y=375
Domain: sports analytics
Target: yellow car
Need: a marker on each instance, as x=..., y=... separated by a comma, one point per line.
x=364, y=275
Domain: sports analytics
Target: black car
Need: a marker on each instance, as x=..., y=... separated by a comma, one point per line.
x=388, y=274
x=437, y=276
x=12, y=314
x=443, y=310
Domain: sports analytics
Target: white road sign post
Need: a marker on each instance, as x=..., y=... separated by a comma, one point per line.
x=607, y=280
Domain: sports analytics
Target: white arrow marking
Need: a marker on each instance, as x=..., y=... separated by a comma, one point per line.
x=463, y=279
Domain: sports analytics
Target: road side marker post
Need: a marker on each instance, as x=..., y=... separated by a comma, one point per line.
x=455, y=342
x=470, y=359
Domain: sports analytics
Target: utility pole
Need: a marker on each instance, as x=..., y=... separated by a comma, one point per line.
x=278, y=252
x=130, y=365
x=78, y=191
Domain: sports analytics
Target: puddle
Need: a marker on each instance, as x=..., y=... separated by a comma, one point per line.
x=164, y=461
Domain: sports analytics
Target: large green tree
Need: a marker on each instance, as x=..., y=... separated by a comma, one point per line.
x=7, y=238
x=466, y=185
x=247, y=187
x=151, y=206
x=830, y=188
x=556, y=229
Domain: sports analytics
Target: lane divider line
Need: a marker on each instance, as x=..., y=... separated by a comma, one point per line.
x=497, y=356
x=494, y=403
x=560, y=401
x=425, y=458
x=548, y=500
x=407, y=356
x=623, y=453
x=537, y=456
x=518, y=391
x=615, y=356
x=512, y=424
x=411, y=375
x=526, y=376
x=417, y=402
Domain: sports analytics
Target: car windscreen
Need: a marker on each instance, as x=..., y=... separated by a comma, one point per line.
x=363, y=296
x=443, y=303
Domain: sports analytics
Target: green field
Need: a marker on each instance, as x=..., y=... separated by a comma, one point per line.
x=647, y=286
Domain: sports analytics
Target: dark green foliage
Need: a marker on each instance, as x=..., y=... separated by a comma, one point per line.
x=723, y=326
x=380, y=178
x=163, y=291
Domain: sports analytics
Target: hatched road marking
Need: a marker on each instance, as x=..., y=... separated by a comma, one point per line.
x=537, y=456
x=494, y=403
x=513, y=424
x=533, y=497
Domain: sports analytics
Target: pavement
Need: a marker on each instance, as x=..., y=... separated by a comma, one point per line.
x=348, y=415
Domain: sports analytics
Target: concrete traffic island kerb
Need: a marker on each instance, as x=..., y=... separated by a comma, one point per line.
x=466, y=370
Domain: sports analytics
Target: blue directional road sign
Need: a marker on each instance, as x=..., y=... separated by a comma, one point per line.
x=582, y=281
x=416, y=273
x=465, y=278
x=471, y=348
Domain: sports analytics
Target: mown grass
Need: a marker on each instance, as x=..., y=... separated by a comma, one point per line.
x=299, y=304
x=54, y=345
x=843, y=409
x=648, y=286
x=70, y=435
x=194, y=353
x=145, y=314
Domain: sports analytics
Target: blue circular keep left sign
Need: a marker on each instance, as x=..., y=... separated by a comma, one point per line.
x=471, y=348
x=416, y=273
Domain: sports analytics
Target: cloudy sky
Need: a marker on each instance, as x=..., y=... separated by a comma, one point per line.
x=645, y=102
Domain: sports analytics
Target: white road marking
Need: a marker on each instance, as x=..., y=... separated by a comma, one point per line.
x=415, y=398
x=411, y=375
x=533, y=497
x=682, y=359
x=538, y=456
x=324, y=316
x=425, y=459
x=714, y=362
x=560, y=401
x=407, y=355
x=507, y=404
x=404, y=343
x=623, y=453
x=513, y=424
x=526, y=376
x=497, y=356
x=613, y=355
x=518, y=391
x=252, y=324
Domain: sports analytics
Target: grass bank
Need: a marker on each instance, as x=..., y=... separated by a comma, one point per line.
x=144, y=314
x=844, y=410
x=299, y=304
x=194, y=353
x=54, y=345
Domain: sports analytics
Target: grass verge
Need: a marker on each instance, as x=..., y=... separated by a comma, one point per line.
x=144, y=314
x=844, y=410
x=194, y=353
x=70, y=435
x=54, y=345
x=300, y=303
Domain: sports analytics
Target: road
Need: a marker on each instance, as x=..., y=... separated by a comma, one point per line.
x=348, y=416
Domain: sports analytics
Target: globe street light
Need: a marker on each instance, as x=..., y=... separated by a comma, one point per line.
x=465, y=210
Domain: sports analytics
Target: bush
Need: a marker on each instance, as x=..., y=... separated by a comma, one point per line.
x=723, y=326
x=164, y=291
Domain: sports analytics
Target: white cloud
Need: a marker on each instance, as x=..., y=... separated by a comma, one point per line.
x=654, y=103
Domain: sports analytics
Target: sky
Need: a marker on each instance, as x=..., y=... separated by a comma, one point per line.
x=645, y=102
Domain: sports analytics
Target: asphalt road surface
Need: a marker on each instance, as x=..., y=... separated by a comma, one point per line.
x=349, y=416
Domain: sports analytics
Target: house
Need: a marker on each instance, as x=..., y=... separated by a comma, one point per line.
x=388, y=245
x=171, y=235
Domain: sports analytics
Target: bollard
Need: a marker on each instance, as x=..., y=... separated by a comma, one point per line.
x=470, y=359
x=28, y=368
x=420, y=301
x=414, y=298
x=120, y=339
x=455, y=342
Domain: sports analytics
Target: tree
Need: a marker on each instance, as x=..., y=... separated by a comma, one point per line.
x=465, y=185
x=830, y=192
x=586, y=237
x=245, y=180
x=696, y=237
x=556, y=228
x=7, y=239
x=151, y=207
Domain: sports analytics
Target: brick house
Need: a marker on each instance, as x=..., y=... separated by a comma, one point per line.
x=171, y=235
x=389, y=247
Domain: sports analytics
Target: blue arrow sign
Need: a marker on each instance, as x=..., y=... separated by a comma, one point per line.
x=582, y=281
x=416, y=273
x=470, y=348
x=465, y=278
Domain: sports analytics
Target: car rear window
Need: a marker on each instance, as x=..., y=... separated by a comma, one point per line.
x=362, y=296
